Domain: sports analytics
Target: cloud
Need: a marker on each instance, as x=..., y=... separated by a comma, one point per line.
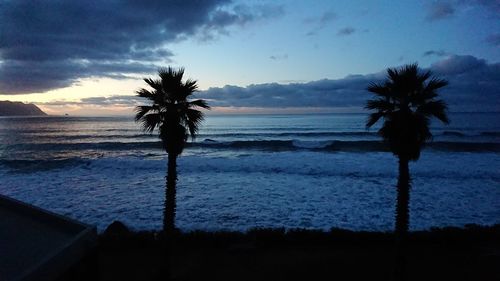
x=23, y=77
x=320, y=22
x=115, y=100
x=440, y=10
x=493, y=39
x=455, y=65
x=327, y=17
x=51, y=44
x=474, y=86
x=491, y=5
x=346, y=31
x=438, y=53
x=474, y=83
x=279, y=57
x=345, y=92
x=239, y=15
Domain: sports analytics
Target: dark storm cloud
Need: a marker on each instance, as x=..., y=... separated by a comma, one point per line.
x=474, y=86
x=50, y=44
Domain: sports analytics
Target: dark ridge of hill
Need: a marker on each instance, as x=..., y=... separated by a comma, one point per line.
x=9, y=108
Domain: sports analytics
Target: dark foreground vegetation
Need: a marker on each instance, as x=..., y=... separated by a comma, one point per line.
x=470, y=253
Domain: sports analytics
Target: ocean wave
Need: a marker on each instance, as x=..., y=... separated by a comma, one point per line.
x=42, y=165
x=453, y=133
x=78, y=146
x=265, y=145
x=369, y=146
x=490, y=134
x=337, y=145
x=244, y=135
x=112, y=135
x=291, y=134
x=95, y=136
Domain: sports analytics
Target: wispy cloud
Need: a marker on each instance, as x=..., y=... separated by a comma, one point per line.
x=240, y=15
x=346, y=31
x=279, y=57
x=114, y=100
x=490, y=5
x=440, y=10
x=438, y=53
x=443, y=9
x=318, y=23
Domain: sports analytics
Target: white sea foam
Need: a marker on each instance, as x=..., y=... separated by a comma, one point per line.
x=264, y=189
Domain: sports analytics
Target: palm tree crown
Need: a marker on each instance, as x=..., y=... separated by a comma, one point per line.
x=406, y=101
x=171, y=112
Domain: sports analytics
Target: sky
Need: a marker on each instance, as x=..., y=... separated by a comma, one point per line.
x=89, y=57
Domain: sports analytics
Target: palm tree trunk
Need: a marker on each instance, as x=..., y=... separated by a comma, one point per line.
x=403, y=199
x=170, y=193
x=402, y=218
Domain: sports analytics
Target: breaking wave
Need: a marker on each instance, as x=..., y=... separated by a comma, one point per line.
x=266, y=145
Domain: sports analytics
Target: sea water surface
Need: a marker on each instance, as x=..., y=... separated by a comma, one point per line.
x=308, y=171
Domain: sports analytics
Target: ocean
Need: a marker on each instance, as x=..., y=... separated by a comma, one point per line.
x=246, y=171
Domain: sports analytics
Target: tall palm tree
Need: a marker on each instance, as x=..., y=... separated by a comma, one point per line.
x=406, y=101
x=176, y=118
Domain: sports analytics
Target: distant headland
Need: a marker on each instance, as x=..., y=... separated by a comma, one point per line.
x=9, y=108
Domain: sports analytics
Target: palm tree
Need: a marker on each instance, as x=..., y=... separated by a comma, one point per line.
x=176, y=118
x=406, y=101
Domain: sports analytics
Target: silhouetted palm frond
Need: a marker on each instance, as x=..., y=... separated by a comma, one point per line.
x=143, y=93
x=142, y=110
x=373, y=118
x=150, y=121
x=380, y=105
x=199, y=103
x=170, y=108
x=406, y=101
x=379, y=89
x=436, y=108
